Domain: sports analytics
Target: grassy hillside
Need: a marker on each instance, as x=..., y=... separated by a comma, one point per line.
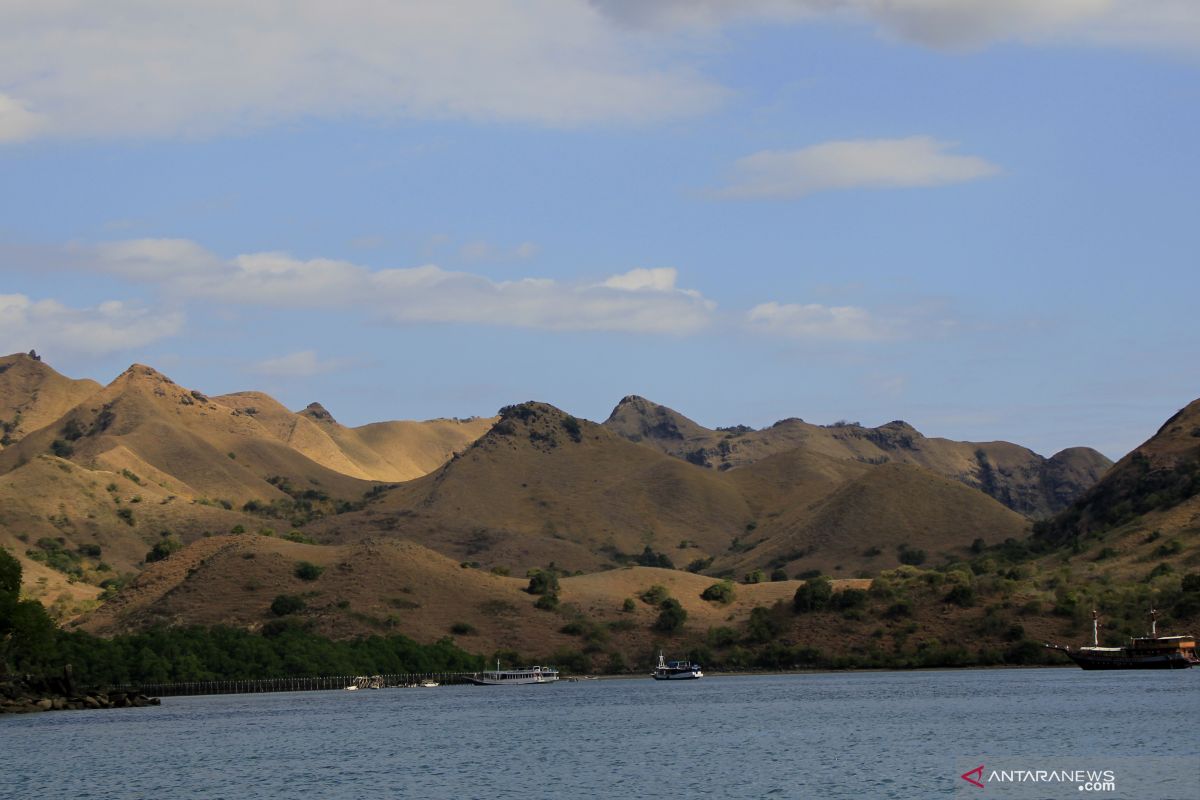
x=543, y=487
x=1016, y=476
x=32, y=395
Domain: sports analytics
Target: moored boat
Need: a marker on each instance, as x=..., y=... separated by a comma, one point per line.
x=675, y=670
x=515, y=677
x=1142, y=652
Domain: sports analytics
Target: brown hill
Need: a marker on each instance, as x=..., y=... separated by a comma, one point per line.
x=382, y=451
x=1014, y=475
x=374, y=587
x=543, y=487
x=181, y=440
x=601, y=622
x=1157, y=482
x=32, y=395
x=113, y=470
x=887, y=514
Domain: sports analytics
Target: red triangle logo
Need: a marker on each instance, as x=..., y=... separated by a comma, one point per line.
x=978, y=773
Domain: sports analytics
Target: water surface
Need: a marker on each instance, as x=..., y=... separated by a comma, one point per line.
x=838, y=735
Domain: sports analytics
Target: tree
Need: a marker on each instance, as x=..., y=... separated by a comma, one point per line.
x=543, y=582
x=814, y=595
x=285, y=604
x=28, y=640
x=162, y=549
x=307, y=571
x=671, y=617
x=719, y=592
x=762, y=627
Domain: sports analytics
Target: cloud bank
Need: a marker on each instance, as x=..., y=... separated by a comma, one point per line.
x=851, y=164
x=944, y=24
x=639, y=301
x=110, y=327
x=138, y=68
x=201, y=67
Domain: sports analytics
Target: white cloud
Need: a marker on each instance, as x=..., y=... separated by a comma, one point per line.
x=17, y=123
x=201, y=67
x=946, y=24
x=54, y=328
x=660, y=279
x=301, y=364
x=642, y=301
x=850, y=164
x=814, y=321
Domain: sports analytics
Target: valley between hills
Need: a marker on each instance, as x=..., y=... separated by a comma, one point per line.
x=142, y=504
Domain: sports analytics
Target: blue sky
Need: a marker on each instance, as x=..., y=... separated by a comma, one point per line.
x=978, y=217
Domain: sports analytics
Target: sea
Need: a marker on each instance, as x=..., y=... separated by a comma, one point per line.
x=1040, y=733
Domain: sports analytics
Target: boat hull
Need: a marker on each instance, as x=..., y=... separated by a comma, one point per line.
x=1119, y=661
x=689, y=675
x=481, y=681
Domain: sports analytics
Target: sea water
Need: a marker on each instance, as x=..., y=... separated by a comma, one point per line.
x=831, y=735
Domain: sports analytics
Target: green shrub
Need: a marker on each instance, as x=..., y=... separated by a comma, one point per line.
x=814, y=595
x=911, y=555
x=628, y=606
x=757, y=576
x=307, y=571
x=719, y=592
x=462, y=629
x=162, y=549
x=671, y=617
x=848, y=599
x=286, y=604
x=547, y=602
x=655, y=595
x=543, y=582
x=126, y=515
x=961, y=595
x=61, y=448
x=762, y=626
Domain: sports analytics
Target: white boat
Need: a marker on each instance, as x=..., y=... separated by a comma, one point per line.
x=515, y=677
x=675, y=670
x=428, y=684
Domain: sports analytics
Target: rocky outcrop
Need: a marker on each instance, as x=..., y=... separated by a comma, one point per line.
x=23, y=694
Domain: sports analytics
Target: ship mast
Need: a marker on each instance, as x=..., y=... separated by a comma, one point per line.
x=1095, y=628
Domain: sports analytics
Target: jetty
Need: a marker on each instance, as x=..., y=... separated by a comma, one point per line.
x=309, y=684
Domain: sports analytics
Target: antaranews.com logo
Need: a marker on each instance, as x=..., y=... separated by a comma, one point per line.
x=1086, y=780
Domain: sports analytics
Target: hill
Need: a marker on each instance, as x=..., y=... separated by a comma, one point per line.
x=32, y=395
x=391, y=451
x=543, y=487
x=1145, y=509
x=1016, y=476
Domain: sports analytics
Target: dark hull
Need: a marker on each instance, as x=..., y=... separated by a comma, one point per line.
x=1123, y=661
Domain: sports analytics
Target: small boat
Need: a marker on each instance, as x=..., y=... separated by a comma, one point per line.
x=1144, y=652
x=428, y=684
x=515, y=677
x=675, y=670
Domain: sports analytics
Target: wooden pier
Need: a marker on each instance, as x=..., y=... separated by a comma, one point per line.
x=313, y=684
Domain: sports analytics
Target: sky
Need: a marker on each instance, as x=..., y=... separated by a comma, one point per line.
x=979, y=216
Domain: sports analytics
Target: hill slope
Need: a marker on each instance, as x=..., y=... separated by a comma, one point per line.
x=32, y=395
x=543, y=487
x=1147, y=507
x=1014, y=475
